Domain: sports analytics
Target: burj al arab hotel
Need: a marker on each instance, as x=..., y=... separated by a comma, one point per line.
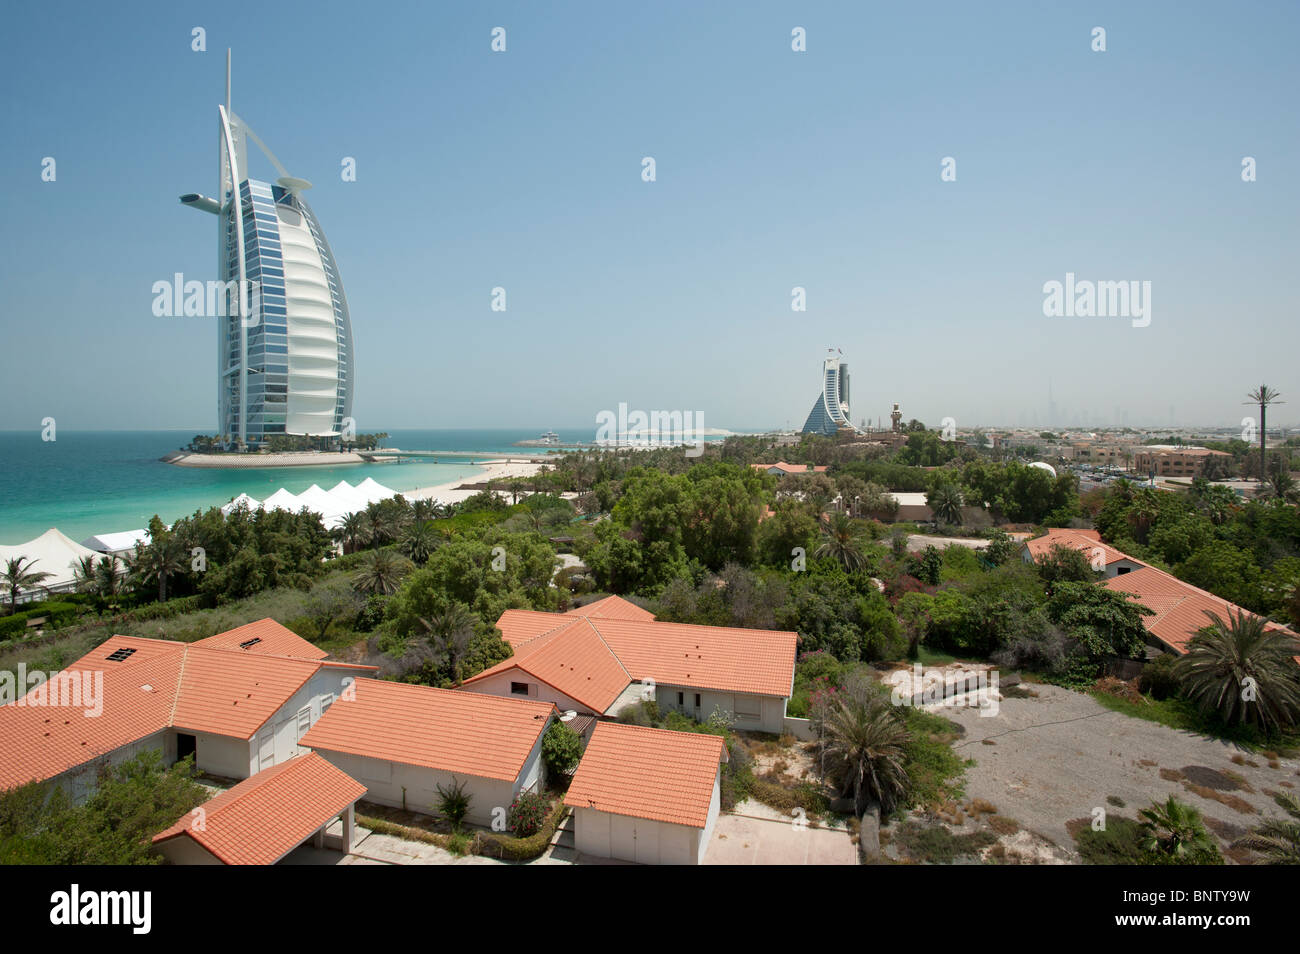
x=285, y=365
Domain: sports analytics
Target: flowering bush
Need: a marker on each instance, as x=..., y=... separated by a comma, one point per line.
x=527, y=813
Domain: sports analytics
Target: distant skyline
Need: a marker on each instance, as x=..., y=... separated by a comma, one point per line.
x=775, y=170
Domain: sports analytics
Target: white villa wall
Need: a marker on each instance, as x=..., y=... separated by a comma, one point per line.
x=415, y=788
x=186, y=851
x=498, y=684
x=772, y=708
x=606, y=835
x=79, y=783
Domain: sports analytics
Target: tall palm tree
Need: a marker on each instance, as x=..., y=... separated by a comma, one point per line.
x=945, y=502
x=381, y=573
x=18, y=576
x=354, y=532
x=159, y=560
x=1243, y=671
x=424, y=510
x=1144, y=512
x=449, y=632
x=1263, y=397
x=865, y=743
x=840, y=542
x=1175, y=830
x=420, y=540
x=108, y=577
x=1277, y=840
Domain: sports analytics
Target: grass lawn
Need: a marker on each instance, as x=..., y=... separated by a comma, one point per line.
x=1178, y=713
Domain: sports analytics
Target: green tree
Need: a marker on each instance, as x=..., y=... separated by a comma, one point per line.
x=19, y=577
x=561, y=749
x=1174, y=832
x=1243, y=671
x=1278, y=840
x=381, y=573
x=945, y=501
x=865, y=748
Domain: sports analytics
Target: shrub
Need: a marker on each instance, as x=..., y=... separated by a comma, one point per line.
x=510, y=848
x=1158, y=679
x=527, y=814
x=453, y=802
x=561, y=749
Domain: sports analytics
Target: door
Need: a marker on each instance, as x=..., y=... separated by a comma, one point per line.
x=622, y=837
x=265, y=749
x=186, y=746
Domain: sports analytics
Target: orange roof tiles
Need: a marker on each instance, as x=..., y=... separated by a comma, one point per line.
x=234, y=693
x=263, y=818
x=1179, y=608
x=573, y=659
x=785, y=468
x=135, y=701
x=656, y=774
x=460, y=732
x=613, y=607
x=272, y=639
x=722, y=658
x=155, y=684
x=1085, y=541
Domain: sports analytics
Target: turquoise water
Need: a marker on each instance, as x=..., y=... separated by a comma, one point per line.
x=85, y=483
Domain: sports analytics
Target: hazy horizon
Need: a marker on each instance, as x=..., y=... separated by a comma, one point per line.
x=775, y=169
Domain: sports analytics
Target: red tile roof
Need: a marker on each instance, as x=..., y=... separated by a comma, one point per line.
x=613, y=607
x=459, y=732
x=263, y=818
x=726, y=659
x=573, y=659
x=656, y=774
x=1086, y=542
x=789, y=468
x=155, y=684
x=271, y=639
x=1179, y=608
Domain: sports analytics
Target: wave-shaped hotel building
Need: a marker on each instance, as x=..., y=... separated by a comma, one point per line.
x=285, y=366
x=830, y=412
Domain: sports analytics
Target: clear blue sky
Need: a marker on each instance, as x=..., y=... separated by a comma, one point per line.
x=775, y=169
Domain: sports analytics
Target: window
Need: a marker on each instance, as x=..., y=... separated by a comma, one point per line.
x=326, y=701
x=119, y=655
x=250, y=643
x=749, y=707
x=304, y=721
x=681, y=698
x=519, y=688
x=697, y=700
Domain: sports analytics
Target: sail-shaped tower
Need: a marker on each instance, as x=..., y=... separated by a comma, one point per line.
x=284, y=354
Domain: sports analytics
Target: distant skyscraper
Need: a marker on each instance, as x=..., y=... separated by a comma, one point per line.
x=830, y=411
x=288, y=368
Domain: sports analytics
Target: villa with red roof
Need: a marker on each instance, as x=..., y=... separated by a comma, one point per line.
x=238, y=702
x=263, y=818
x=1102, y=556
x=647, y=795
x=403, y=741
x=600, y=658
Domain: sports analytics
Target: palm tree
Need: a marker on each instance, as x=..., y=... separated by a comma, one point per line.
x=840, y=542
x=18, y=576
x=381, y=573
x=354, y=532
x=1281, y=485
x=1144, y=512
x=108, y=577
x=83, y=574
x=1277, y=840
x=1263, y=396
x=449, y=632
x=158, y=560
x=1243, y=671
x=425, y=510
x=865, y=744
x=945, y=502
x=420, y=540
x=1175, y=830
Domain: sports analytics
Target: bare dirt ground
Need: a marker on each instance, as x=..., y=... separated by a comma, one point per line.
x=1047, y=760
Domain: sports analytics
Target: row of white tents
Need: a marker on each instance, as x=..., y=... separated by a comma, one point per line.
x=54, y=553
x=333, y=505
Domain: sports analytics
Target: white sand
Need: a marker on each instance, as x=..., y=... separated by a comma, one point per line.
x=492, y=470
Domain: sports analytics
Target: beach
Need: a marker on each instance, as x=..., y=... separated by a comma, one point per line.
x=451, y=492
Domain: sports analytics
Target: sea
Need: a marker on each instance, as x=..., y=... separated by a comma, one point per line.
x=90, y=482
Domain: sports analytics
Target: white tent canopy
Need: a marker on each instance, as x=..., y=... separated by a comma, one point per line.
x=243, y=500
x=123, y=542
x=333, y=504
x=51, y=553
